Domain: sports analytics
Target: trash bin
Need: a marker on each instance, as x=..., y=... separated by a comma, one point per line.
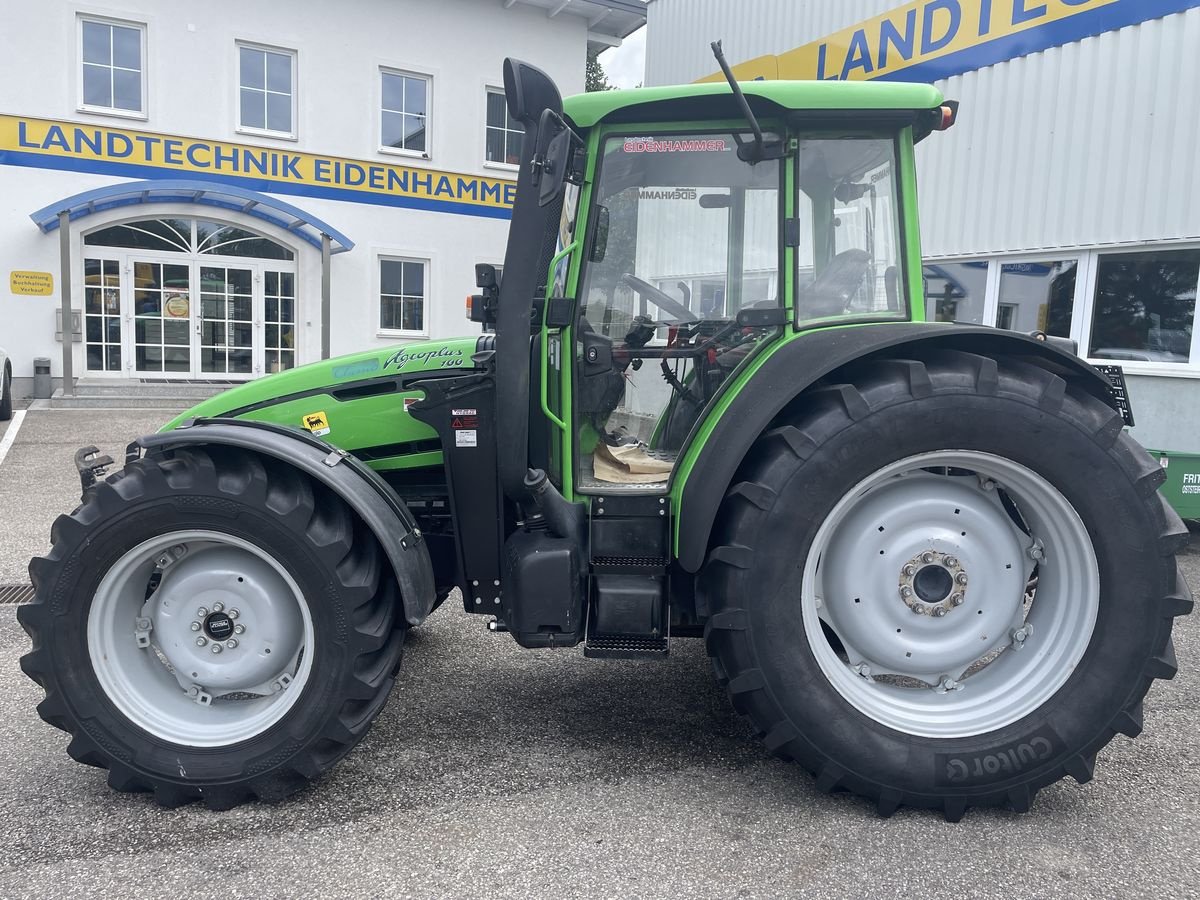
x=41, y=378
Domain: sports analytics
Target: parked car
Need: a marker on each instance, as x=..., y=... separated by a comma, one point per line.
x=5, y=386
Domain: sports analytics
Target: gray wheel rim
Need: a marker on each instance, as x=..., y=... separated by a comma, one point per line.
x=153, y=654
x=921, y=571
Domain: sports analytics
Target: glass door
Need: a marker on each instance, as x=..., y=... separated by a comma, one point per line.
x=225, y=322
x=162, y=309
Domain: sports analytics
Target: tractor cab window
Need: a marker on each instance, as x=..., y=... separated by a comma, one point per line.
x=684, y=235
x=848, y=255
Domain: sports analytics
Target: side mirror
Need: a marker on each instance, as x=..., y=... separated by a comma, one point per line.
x=554, y=159
x=528, y=91
x=600, y=235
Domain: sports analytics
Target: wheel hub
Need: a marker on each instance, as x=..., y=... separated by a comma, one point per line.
x=218, y=626
x=933, y=583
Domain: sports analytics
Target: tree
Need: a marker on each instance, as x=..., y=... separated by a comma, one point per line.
x=595, y=79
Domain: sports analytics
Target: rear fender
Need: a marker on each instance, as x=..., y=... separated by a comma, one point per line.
x=359, y=486
x=798, y=364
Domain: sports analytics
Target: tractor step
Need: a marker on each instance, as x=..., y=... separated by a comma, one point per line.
x=619, y=646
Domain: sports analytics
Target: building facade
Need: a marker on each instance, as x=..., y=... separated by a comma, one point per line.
x=1067, y=196
x=240, y=188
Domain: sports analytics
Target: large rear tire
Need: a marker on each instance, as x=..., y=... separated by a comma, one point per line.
x=944, y=583
x=212, y=624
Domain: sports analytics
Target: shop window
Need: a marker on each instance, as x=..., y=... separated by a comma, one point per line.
x=504, y=133
x=1145, y=305
x=266, y=90
x=404, y=122
x=954, y=291
x=112, y=70
x=402, y=290
x=1037, y=296
x=279, y=293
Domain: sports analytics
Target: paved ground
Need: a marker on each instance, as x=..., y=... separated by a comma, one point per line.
x=498, y=772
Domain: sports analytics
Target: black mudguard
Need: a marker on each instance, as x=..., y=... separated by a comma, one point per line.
x=357, y=484
x=799, y=364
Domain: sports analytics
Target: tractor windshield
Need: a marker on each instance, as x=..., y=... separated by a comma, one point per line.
x=685, y=234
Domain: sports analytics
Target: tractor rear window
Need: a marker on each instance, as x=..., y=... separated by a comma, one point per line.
x=849, y=257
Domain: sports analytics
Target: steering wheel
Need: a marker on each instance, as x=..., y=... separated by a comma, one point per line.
x=662, y=300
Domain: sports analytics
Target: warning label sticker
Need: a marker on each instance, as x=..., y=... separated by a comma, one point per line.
x=465, y=438
x=317, y=423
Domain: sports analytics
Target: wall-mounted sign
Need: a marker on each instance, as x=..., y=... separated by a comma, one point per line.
x=929, y=40
x=177, y=306
x=31, y=284
x=84, y=147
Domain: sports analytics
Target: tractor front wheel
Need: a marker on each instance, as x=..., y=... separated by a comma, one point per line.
x=212, y=625
x=945, y=583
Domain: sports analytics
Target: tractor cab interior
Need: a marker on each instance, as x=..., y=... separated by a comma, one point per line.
x=685, y=277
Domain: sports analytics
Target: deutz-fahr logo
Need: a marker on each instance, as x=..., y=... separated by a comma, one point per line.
x=448, y=356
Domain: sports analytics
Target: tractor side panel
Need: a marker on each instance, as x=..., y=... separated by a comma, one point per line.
x=358, y=403
x=785, y=370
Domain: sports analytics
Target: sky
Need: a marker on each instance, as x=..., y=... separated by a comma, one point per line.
x=626, y=65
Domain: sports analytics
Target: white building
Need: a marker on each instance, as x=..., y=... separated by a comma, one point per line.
x=1066, y=198
x=207, y=156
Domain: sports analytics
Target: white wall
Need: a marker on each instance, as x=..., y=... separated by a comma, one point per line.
x=191, y=66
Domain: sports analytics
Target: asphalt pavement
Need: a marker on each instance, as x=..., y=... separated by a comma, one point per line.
x=500, y=772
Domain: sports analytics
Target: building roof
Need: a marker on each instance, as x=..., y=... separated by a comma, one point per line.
x=640, y=104
x=609, y=21
x=206, y=193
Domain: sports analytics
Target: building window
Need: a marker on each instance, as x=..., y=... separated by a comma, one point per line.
x=503, y=131
x=404, y=123
x=1037, y=296
x=266, y=90
x=1144, y=306
x=111, y=56
x=954, y=291
x=402, y=295
x=280, y=320
x=102, y=314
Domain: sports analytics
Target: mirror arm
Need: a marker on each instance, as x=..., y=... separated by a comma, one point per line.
x=760, y=150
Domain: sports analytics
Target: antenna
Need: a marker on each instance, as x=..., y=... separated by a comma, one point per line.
x=760, y=149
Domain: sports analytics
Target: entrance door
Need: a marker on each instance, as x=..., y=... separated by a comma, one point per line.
x=162, y=310
x=225, y=322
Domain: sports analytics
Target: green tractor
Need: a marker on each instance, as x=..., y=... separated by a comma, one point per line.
x=927, y=560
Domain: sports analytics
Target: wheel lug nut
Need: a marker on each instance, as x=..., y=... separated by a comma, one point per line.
x=956, y=599
x=910, y=570
x=234, y=613
x=202, y=612
x=951, y=562
x=216, y=648
x=239, y=629
x=231, y=643
x=195, y=626
x=927, y=557
x=939, y=611
x=919, y=610
x=961, y=578
x=906, y=592
x=217, y=607
x=201, y=641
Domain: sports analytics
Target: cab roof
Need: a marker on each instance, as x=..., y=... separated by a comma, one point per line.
x=716, y=100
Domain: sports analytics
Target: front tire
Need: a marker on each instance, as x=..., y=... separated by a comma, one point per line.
x=946, y=583
x=212, y=624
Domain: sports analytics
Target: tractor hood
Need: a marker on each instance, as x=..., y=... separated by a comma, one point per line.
x=356, y=402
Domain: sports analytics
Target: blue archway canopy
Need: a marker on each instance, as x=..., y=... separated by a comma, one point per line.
x=206, y=193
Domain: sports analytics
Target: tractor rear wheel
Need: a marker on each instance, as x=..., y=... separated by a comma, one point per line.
x=945, y=583
x=212, y=624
